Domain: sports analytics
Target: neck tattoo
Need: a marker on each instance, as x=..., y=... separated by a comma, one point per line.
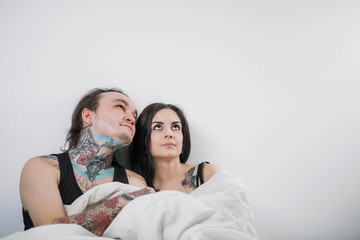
x=95, y=152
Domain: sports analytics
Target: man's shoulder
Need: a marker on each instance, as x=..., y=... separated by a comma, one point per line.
x=42, y=161
x=48, y=157
x=135, y=179
x=38, y=172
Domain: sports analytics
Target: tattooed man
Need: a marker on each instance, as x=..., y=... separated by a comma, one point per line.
x=103, y=121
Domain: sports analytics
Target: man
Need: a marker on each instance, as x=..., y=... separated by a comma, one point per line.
x=103, y=121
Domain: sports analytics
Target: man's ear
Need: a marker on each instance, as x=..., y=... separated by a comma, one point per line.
x=87, y=117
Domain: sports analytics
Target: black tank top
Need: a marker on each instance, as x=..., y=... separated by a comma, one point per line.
x=68, y=187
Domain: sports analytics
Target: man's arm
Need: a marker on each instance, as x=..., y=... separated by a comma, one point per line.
x=41, y=197
x=39, y=190
x=97, y=219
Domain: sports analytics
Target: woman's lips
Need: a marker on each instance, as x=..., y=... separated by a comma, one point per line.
x=169, y=145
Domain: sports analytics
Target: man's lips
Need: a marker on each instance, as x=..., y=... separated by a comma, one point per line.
x=127, y=125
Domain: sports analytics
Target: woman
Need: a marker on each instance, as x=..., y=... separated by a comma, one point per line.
x=161, y=147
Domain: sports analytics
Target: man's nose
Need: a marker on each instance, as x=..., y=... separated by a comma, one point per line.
x=130, y=118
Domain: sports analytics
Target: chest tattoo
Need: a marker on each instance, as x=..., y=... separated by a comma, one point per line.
x=189, y=181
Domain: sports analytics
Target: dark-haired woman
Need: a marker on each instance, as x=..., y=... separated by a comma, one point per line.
x=161, y=147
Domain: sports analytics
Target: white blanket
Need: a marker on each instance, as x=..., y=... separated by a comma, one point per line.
x=217, y=209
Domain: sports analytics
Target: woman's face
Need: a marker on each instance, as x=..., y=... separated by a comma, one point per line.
x=166, y=135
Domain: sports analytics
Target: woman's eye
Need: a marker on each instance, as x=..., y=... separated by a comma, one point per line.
x=176, y=127
x=157, y=127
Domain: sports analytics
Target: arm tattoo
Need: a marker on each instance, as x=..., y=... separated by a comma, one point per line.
x=190, y=179
x=55, y=163
x=97, y=219
x=140, y=179
x=141, y=192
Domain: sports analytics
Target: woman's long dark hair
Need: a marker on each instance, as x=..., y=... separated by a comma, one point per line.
x=142, y=161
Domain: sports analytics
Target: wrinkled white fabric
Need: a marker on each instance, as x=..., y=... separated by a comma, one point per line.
x=218, y=209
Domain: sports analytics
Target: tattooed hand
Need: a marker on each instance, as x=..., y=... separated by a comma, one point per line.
x=141, y=192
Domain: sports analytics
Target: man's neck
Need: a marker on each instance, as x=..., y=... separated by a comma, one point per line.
x=93, y=153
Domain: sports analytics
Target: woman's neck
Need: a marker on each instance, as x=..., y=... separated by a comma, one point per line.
x=167, y=171
x=94, y=152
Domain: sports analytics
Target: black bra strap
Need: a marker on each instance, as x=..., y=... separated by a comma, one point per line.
x=199, y=174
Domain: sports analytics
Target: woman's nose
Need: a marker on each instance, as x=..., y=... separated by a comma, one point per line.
x=169, y=134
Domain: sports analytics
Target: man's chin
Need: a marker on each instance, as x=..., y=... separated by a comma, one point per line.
x=125, y=139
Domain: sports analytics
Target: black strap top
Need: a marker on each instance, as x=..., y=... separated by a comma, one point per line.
x=199, y=174
x=68, y=186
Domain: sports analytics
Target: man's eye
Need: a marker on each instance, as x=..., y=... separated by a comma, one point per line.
x=120, y=106
x=157, y=127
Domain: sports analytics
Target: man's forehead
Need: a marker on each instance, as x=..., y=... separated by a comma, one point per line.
x=117, y=97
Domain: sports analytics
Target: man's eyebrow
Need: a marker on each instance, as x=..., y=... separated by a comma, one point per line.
x=121, y=100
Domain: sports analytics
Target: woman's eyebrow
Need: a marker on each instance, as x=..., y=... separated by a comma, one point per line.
x=172, y=123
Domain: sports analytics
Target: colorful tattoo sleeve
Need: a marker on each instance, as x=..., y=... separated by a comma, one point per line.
x=97, y=219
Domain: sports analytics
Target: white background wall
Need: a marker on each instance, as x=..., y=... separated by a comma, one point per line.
x=270, y=88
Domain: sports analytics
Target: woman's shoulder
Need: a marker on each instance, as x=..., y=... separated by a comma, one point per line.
x=209, y=170
x=203, y=170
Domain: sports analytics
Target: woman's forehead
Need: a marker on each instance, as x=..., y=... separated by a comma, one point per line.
x=166, y=114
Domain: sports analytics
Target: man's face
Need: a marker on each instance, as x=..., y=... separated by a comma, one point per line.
x=115, y=117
